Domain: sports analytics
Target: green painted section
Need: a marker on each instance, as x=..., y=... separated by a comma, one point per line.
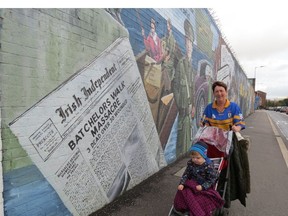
x=41, y=48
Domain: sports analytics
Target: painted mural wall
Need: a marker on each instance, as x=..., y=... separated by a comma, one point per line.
x=95, y=101
x=180, y=53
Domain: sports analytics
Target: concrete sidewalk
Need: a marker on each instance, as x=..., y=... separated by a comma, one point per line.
x=154, y=197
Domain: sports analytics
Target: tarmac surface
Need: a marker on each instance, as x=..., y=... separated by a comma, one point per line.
x=268, y=170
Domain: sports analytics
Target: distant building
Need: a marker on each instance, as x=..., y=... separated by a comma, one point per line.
x=260, y=99
x=252, y=81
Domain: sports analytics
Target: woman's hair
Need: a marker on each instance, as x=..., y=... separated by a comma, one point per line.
x=219, y=83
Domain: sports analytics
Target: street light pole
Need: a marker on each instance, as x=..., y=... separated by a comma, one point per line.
x=255, y=71
x=255, y=74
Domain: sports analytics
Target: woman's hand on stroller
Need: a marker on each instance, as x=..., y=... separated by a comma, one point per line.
x=236, y=128
x=180, y=187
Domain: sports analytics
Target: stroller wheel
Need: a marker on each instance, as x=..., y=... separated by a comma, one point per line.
x=225, y=212
x=216, y=212
x=221, y=212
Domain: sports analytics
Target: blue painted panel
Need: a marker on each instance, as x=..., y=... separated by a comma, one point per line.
x=27, y=193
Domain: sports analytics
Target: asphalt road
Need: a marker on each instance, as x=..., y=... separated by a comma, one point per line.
x=281, y=121
x=268, y=172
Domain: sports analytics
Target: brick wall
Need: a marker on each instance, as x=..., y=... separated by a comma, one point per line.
x=42, y=50
x=1, y=170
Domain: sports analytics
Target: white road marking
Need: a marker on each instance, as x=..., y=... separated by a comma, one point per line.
x=283, y=149
x=282, y=146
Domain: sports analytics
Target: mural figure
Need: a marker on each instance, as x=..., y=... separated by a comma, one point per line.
x=149, y=64
x=169, y=57
x=184, y=92
x=167, y=108
x=203, y=87
x=209, y=79
x=152, y=42
x=158, y=69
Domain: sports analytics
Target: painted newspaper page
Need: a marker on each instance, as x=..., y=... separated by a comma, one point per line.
x=94, y=136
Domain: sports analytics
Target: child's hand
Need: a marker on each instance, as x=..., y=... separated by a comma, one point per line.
x=199, y=187
x=180, y=187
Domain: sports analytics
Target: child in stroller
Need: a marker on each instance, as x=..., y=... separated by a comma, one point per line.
x=197, y=193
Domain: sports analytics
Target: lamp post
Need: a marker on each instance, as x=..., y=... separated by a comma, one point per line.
x=255, y=73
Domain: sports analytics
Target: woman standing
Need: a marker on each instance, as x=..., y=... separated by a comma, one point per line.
x=227, y=115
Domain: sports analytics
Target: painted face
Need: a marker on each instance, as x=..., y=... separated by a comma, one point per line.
x=220, y=94
x=208, y=72
x=168, y=27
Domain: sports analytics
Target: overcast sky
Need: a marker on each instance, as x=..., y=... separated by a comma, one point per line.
x=258, y=36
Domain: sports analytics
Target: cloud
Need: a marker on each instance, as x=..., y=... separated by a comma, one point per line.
x=258, y=37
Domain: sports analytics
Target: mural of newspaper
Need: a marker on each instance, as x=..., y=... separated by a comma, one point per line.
x=77, y=139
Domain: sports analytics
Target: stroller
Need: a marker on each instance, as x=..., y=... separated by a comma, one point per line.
x=220, y=147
